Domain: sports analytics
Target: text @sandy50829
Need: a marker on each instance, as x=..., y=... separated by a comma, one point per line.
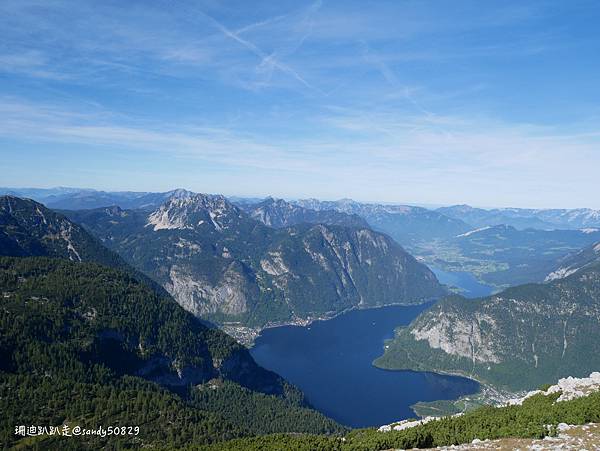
x=66, y=430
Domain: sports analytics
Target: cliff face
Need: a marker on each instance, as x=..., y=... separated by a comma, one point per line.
x=220, y=263
x=460, y=336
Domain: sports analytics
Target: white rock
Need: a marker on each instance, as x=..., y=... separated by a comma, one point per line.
x=569, y=387
x=563, y=427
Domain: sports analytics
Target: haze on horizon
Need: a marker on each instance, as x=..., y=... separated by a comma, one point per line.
x=401, y=102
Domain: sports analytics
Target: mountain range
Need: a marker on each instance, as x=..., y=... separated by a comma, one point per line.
x=279, y=213
x=220, y=263
x=408, y=225
x=500, y=255
x=87, y=337
x=78, y=199
x=520, y=218
x=525, y=218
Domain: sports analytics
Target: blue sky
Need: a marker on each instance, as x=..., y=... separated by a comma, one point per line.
x=493, y=103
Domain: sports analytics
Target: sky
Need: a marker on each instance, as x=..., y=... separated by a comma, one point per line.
x=493, y=103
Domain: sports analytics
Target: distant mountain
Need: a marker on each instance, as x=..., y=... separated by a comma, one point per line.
x=523, y=218
x=79, y=199
x=520, y=256
x=245, y=202
x=41, y=193
x=279, y=213
x=499, y=254
x=576, y=262
x=517, y=339
x=221, y=264
x=406, y=224
x=96, y=199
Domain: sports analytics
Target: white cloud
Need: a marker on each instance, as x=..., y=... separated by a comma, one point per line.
x=413, y=153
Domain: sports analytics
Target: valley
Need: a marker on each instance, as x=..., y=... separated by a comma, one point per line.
x=502, y=256
x=338, y=322
x=314, y=225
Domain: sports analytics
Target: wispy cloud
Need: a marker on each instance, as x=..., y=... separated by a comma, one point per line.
x=150, y=39
x=416, y=97
x=269, y=61
x=29, y=63
x=387, y=145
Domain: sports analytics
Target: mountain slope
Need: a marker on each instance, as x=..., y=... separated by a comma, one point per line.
x=221, y=264
x=279, y=213
x=88, y=345
x=28, y=228
x=408, y=225
x=572, y=263
x=518, y=339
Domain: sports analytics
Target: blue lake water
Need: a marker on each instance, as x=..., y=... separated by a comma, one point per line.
x=331, y=361
x=467, y=282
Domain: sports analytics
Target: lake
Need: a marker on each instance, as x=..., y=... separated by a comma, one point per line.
x=467, y=282
x=331, y=362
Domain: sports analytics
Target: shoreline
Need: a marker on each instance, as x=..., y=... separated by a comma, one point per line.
x=246, y=335
x=486, y=394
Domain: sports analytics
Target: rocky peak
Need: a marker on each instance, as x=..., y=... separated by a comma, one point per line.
x=271, y=202
x=347, y=203
x=274, y=212
x=186, y=210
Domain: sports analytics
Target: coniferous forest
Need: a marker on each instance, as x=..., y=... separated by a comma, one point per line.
x=84, y=344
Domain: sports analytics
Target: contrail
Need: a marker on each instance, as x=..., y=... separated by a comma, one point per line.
x=258, y=52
